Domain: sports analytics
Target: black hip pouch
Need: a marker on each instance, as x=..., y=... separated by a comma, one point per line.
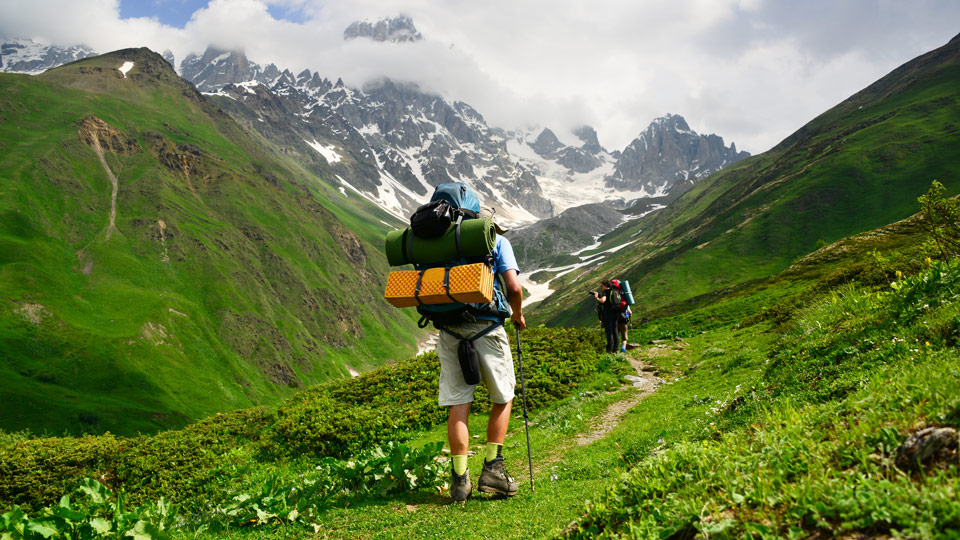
x=469, y=361
x=468, y=355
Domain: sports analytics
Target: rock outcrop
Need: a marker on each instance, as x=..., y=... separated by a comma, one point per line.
x=395, y=30
x=667, y=152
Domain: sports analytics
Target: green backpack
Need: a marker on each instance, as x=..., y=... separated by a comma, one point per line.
x=614, y=296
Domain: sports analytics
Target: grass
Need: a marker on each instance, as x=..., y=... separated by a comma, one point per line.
x=262, y=279
x=810, y=446
x=778, y=427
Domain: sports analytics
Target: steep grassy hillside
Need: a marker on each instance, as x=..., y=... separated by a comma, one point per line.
x=158, y=264
x=858, y=166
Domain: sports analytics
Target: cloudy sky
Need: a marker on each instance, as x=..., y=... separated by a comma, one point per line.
x=751, y=71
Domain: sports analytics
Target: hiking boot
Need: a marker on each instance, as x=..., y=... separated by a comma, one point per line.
x=494, y=479
x=460, y=486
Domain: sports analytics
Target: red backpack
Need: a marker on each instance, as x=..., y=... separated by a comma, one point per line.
x=616, y=296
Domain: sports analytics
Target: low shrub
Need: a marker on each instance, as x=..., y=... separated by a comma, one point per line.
x=98, y=514
x=336, y=420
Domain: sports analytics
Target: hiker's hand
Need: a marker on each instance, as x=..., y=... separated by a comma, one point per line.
x=519, y=322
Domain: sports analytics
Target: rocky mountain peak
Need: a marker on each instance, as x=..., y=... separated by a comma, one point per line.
x=217, y=68
x=588, y=136
x=670, y=122
x=668, y=152
x=546, y=144
x=398, y=29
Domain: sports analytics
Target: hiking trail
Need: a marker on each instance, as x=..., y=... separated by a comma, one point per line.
x=647, y=383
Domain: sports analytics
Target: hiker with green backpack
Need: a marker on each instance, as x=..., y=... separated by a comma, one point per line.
x=473, y=344
x=610, y=306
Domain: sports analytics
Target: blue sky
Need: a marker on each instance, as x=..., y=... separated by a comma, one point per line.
x=176, y=13
x=751, y=71
x=173, y=13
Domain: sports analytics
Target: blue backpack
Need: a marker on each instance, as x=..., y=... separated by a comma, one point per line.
x=463, y=204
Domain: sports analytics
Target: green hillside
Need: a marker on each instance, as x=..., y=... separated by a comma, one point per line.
x=835, y=419
x=159, y=265
x=856, y=167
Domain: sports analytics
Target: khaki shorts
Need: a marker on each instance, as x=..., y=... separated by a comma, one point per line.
x=496, y=365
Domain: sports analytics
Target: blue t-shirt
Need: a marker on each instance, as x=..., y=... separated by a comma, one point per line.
x=503, y=260
x=503, y=257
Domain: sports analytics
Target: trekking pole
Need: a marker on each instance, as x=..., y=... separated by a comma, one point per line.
x=523, y=392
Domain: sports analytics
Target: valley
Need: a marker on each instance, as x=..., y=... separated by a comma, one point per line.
x=194, y=341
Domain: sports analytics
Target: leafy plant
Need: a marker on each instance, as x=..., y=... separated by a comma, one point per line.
x=101, y=514
x=382, y=471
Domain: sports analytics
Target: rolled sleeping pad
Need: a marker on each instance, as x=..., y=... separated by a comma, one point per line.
x=625, y=285
x=477, y=238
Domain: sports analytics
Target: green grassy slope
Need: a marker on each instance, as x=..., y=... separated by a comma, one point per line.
x=231, y=277
x=767, y=427
x=858, y=166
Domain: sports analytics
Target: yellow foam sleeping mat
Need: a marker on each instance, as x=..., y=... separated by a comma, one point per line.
x=467, y=283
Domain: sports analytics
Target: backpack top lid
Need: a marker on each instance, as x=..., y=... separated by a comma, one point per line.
x=458, y=194
x=615, y=283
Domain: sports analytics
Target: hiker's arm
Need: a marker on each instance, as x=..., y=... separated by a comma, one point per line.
x=515, y=297
x=599, y=298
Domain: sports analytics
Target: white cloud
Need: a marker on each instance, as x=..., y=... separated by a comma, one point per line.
x=752, y=71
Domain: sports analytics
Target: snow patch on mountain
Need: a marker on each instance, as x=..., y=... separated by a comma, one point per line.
x=328, y=152
x=125, y=68
x=566, y=188
x=220, y=93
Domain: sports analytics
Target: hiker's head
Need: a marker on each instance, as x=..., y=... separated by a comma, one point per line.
x=487, y=212
x=605, y=284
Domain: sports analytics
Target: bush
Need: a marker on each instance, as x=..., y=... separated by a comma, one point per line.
x=336, y=419
x=99, y=514
x=941, y=221
x=179, y=464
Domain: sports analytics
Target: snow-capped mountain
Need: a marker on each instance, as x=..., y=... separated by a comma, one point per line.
x=28, y=56
x=667, y=156
x=668, y=152
x=392, y=143
x=395, y=30
x=569, y=175
x=217, y=68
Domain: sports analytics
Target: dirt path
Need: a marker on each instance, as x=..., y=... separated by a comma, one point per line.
x=646, y=383
x=113, y=180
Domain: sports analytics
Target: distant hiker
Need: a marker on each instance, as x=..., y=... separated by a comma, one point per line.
x=609, y=314
x=623, y=324
x=496, y=368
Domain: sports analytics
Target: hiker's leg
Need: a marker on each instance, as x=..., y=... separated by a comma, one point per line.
x=496, y=364
x=458, y=432
x=494, y=478
x=612, y=340
x=499, y=422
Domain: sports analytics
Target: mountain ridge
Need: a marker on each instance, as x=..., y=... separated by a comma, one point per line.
x=395, y=172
